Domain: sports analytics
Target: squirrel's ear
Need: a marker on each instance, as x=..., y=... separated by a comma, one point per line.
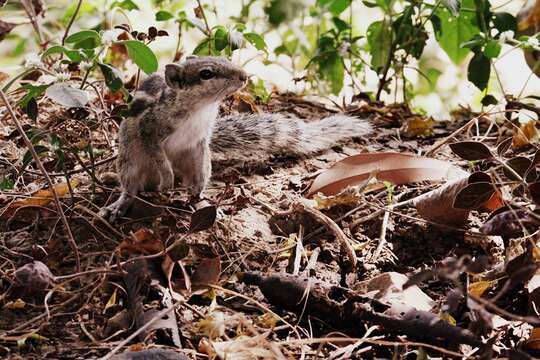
x=173, y=75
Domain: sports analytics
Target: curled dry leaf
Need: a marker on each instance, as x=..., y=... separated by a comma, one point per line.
x=45, y=196
x=451, y=203
x=351, y=196
x=388, y=166
x=143, y=241
x=437, y=205
x=523, y=135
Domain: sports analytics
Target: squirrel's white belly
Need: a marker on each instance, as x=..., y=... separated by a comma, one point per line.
x=192, y=130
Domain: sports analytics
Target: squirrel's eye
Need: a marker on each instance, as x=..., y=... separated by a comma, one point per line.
x=206, y=74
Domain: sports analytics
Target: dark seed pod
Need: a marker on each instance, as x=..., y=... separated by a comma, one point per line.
x=152, y=32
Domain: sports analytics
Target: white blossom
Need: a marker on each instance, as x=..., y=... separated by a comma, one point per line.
x=109, y=36
x=344, y=48
x=236, y=38
x=32, y=60
x=63, y=76
x=505, y=36
x=85, y=65
x=532, y=41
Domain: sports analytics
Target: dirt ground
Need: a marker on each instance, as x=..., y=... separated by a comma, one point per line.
x=83, y=313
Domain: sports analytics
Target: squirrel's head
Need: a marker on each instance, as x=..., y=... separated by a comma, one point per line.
x=205, y=77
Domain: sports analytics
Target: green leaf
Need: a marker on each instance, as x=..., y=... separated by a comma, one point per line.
x=6, y=184
x=163, y=15
x=338, y=6
x=31, y=109
x=113, y=77
x=58, y=49
x=221, y=38
x=331, y=68
x=340, y=24
x=479, y=70
x=255, y=40
x=454, y=31
x=73, y=55
x=125, y=4
x=503, y=21
x=258, y=89
x=379, y=37
x=141, y=55
x=202, y=48
x=83, y=35
x=492, y=49
x=27, y=157
x=33, y=92
x=489, y=100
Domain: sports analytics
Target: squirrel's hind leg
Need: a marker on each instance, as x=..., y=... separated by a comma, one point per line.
x=117, y=208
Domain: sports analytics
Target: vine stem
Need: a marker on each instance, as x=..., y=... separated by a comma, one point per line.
x=66, y=33
x=28, y=143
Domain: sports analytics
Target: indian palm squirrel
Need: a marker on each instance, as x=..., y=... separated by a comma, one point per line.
x=173, y=127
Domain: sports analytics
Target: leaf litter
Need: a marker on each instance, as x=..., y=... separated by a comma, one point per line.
x=262, y=271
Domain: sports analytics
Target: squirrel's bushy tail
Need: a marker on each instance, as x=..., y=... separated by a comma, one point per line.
x=275, y=133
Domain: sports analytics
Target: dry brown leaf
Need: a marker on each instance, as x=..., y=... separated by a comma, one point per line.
x=143, y=241
x=529, y=17
x=387, y=166
x=533, y=342
x=349, y=197
x=44, y=196
x=207, y=272
x=480, y=287
x=437, y=205
x=3, y=77
x=525, y=134
x=419, y=126
x=246, y=103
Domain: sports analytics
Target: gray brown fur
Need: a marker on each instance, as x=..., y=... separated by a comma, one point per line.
x=171, y=127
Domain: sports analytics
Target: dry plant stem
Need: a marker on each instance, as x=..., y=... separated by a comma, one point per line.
x=28, y=143
x=382, y=239
x=335, y=230
x=29, y=9
x=159, y=315
x=66, y=33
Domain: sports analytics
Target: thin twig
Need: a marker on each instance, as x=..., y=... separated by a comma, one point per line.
x=28, y=143
x=335, y=230
x=66, y=33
